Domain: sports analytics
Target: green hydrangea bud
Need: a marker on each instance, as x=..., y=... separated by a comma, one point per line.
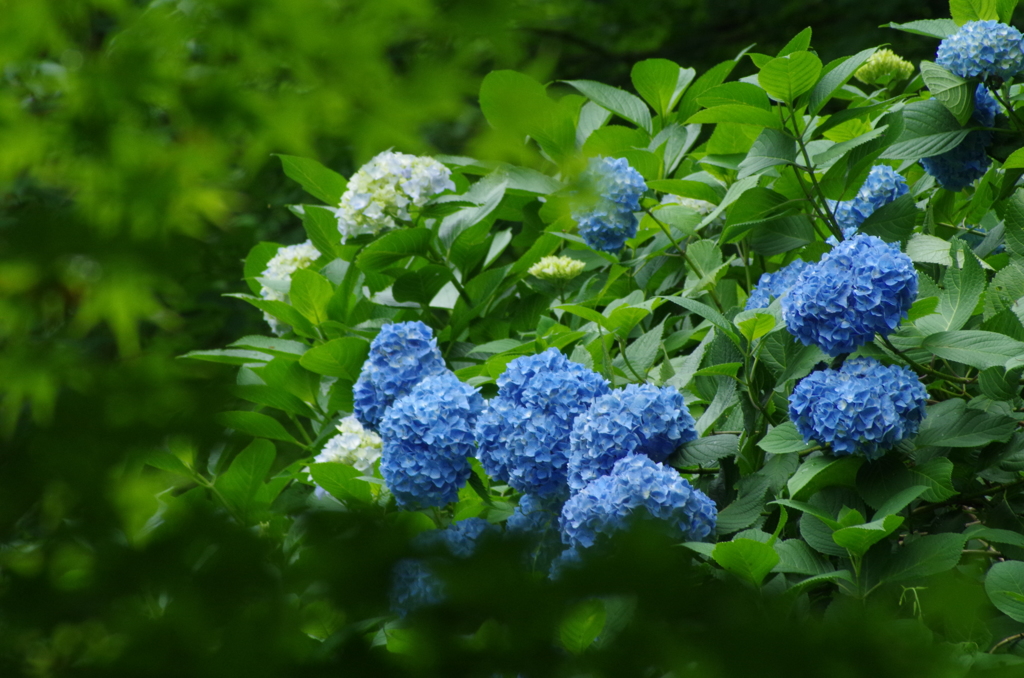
x=557, y=268
x=883, y=67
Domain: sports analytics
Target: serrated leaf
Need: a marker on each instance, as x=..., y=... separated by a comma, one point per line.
x=976, y=348
x=617, y=101
x=796, y=557
x=963, y=289
x=784, y=439
x=1014, y=222
x=782, y=234
x=832, y=81
x=705, y=311
x=342, y=482
x=1004, y=585
x=256, y=262
x=725, y=397
x=819, y=472
x=951, y=423
x=275, y=346
x=736, y=113
x=786, y=78
x=707, y=450
x=310, y=293
x=317, y=180
x=341, y=358
x=644, y=350
x=747, y=507
x=746, y=558
x=757, y=326
x=393, y=247
x=927, y=555
x=321, y=226
x=932, y=28
x=240, y=483
x=228, y=356
x=742, y=93
x=929, y=129
x=771, y=148
x=582, y=625
x=963, y=11
x=661, y=82
x=955, y=93
x=721, y=370
x=857, y=539
x=256, y=424
x=892, y=222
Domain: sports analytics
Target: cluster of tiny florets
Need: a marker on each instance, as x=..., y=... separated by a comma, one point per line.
x=883, y=67
x=401, y=356
x=428, y=438
x=882, y=186
x=637, y=488
x=863, y=286
x=413, y=586
x=773, y=285
x=276, y=278
x=353, y=446
x=863, y=408
x=958, y=168
x=982, y=48
x=610, y=194
x=639, y=419
x=384, y=189
x=459, y=539
x=557, y=268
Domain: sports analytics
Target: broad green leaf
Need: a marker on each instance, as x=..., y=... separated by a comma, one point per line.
x=818, y=535
x=618, y=101
x=1014, y=221
x=834, y=79
x=256, y=424
x=899, y=501
x=757, y=326
x=963, y=289
x=932, y=28
x=994, y=535
x=587, y=314
x=751, y=560
x=786, y=78
x=707, y=450
x=998, y=384
x=976, y=348
x=963, y=11
x=784, y=439
x=705, y=311
x=341, y=358
x=661, y=82
x=165, y=461
x=582, y=625
x=342, y=482
x=321, y=227
x=857, y=539
x=714, y=76
x=892, y=222
x=518, y=105
x=955, y=93
x=720, y=370
x=485, y=195
x=742, y=93
x=737, y=113
x=262, y=394
x=951, y=423
x=796, y=557
x=745, y=510
x=725, y=397
x=317, y=180
x=228, y=356
x=275, y=346
x=922, y=308
x=256, y=262
x=782, y=234
x=310, y=293
x=1015, y=160
x=927, y=555
x=393, y=247
x=819, y=472
x=1004, y=585
x=800, y=42
x=929, y=130
x=240, y=483
x=686, y=189
x=772, y=147
x=421, y=285
x=1005, y=10
x=643, y=351
x=281, y=310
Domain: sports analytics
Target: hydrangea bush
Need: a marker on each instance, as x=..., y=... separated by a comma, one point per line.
x=749, y=321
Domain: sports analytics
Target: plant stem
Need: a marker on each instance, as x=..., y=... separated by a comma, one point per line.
x=686, y=257
x=917, y=366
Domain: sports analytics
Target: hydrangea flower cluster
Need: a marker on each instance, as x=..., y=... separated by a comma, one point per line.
x=982, y=48
x=883, y=67
x=355, y=446
x=774, y=285
x=863, y=408
x=557, y=268
x=413, y=586
x=863, y=286
x=383, y=189
x=460, y=539
x=958, y=168
x=612, y=194
x=277, y=276
x=401, y=356
x=883, y=185
x=639, y=419
x=428, y=437
x=524, y=434
x=637, y=487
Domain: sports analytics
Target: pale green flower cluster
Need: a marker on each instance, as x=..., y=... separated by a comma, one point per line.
x=557, y=268
x=276, y=279
x=884, y=66
x=355, y=446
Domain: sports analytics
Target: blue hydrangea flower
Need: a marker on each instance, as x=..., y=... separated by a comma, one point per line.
x=774, y=285
x=863, y=286
x=611, y=194
x=883, y=185
x=637, y=487
x=428, y=437
x=493, y=428
x=548, y=392
x=460, y=539
x=401, y=356
x=414, y=586
x=863, y=408
x=982, y=48
x=535, y=519
x=639, y=419
x=958, y=168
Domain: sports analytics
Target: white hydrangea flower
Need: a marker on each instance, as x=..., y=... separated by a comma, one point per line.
x=383, y=189
x=277, y=276
x=557, y=268
x=701, y=206
x=354, y=446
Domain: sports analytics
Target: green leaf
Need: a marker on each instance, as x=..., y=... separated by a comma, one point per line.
x=1014, y=221
x=645, y=349
x=342, y=482
x=262, y=394
x=1015, y=160
x=707, y=450
x=1005, y=10
x=256, y=262
x=951, y=423
x=955, y=93
x=1004, y=585
x=782, y=234
x=963, y=11
x=720, y=370
x=745, y=510
x=618, y=101
x=922, y=308
x=737, y=113
x=519, y=106
x=243, y=479
x=713, y=77
x=742, y=93
x=661, y=82
x=757, y=326
x=772, y=147
x=784, y=439
x=687, y=189
x=929, y=129
x=998, y=384
x=819, y=472
x=800, y=42
x=342, y=358
x=927, y=555
x=310, y=293
x=932, y=28
x=963, y=289
x=796, y=557
x=976, y=348
x=892, y=222
x=228, y=356
x=322, y=229
x=834, y=79
x=705, y=311
x=857, y=539
x=486, y=195
x=317, y=180
x=165, y=461
x=275, y=346
x=587, y=314
x=582, y=625
x=393, y=247
x=256, y=424
x=746, y=558
x=786, y=78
